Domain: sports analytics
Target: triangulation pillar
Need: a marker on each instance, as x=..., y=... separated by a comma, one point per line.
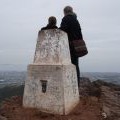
x=51, y=84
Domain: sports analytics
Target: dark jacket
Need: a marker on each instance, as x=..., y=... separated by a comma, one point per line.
x=49, y=27
x=72, y=27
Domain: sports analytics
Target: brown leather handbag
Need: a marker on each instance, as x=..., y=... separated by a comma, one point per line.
x=80, y=47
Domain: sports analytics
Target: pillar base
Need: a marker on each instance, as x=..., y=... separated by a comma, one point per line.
x=51, y=88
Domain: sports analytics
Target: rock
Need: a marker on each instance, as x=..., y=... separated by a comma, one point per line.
x=88, y=88
x=104, y=115
x=110, y=99
x=85, y=85
x=2, y=118
x=108, y=95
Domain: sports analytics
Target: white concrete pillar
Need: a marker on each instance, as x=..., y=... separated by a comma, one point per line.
x=51, y=84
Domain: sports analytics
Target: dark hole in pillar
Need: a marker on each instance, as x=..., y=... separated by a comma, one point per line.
x=44, y=85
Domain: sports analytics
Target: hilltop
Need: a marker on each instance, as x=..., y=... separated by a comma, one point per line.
x=99, y=101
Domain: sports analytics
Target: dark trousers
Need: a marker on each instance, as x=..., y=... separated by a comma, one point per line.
x=75, y=61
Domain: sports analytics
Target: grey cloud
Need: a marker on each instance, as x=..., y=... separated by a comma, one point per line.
x=21, y=20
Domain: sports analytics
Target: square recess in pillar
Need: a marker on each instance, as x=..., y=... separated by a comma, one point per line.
x=44, y=85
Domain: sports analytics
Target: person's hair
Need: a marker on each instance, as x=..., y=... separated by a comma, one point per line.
x=68, y=10
x=52, y=20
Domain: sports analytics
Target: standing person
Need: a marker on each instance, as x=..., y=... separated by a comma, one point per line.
x=72, y=27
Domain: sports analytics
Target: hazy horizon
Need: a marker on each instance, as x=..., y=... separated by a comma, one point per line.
x=23, y=68
x=21, y=20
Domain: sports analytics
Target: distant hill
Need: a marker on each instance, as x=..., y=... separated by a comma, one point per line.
x=106, y=76
x=18, y=77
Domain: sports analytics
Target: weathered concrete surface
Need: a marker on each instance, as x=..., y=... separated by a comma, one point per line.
x=51, y=85
x=61, y=94
x=52, y=48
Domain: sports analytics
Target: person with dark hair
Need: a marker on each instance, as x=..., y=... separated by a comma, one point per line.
x=51, y=23
x=72, y=27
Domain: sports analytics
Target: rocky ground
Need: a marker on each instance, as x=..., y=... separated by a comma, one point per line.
x=99, y=101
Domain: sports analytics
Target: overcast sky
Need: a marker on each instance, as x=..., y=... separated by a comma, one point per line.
x=20, y=20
